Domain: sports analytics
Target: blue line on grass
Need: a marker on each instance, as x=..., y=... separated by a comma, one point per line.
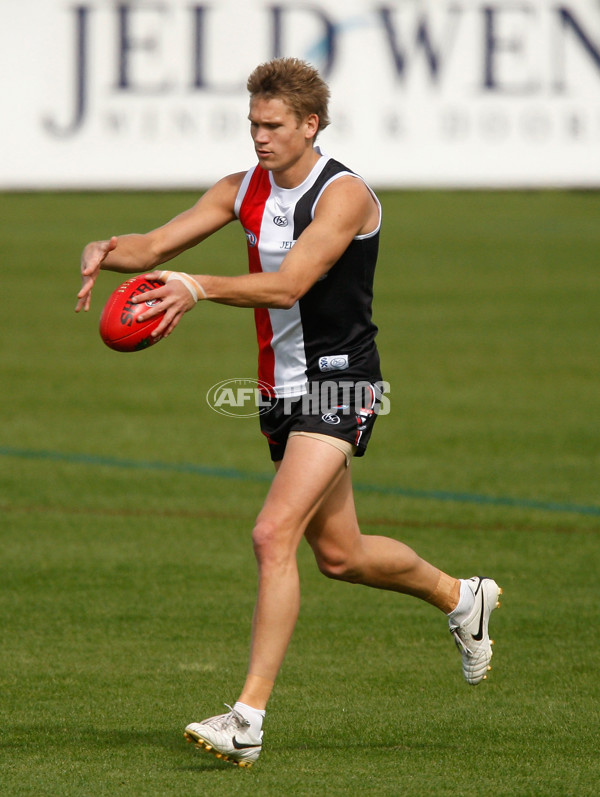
x=239, y=475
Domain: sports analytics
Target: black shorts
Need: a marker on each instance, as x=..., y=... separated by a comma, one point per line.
x=343, y=409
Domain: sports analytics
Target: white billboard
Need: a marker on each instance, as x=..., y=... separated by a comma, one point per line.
x=446, y=93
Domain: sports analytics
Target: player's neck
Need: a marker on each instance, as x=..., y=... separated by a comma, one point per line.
x=296, y=174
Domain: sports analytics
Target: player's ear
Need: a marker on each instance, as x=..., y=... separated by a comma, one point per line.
x=311, y=125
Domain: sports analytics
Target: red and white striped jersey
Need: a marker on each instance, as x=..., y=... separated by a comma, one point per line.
x=329, y=332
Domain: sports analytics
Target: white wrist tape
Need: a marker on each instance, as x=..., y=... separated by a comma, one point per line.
x=190, y=283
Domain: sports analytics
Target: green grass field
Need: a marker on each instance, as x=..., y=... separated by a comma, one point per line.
x=127, y=577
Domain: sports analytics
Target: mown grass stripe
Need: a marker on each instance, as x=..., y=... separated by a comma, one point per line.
x=247, y=476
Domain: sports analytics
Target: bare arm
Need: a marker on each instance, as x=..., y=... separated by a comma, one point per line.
x=345, y=210
x=135, y=253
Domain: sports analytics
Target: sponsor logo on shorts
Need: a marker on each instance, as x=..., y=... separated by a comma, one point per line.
x=331, y=418
x=334, y=362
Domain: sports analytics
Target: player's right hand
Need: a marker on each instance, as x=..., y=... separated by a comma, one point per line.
x=92, y=258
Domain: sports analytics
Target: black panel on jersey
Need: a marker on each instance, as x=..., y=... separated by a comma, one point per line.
x=336, y=311
x=303, y=211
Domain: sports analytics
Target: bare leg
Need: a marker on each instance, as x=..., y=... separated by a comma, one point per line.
x=305, y=477
x=342, y=552
x=312, y=495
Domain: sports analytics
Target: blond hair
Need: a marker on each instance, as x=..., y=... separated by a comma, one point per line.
x=295, y=82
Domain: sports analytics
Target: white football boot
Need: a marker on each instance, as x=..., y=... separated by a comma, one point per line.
x=471, y=635
x=227, y=737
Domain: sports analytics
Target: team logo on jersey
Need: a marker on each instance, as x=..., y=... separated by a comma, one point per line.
x=280, y=221
x=251, y=237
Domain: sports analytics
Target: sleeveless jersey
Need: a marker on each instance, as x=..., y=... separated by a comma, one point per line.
x=329, y=332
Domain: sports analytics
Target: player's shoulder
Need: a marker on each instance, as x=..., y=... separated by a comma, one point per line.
x=346, y=195
x=338, y=179
x=223, y=192
x=231, y=182
x=346, y=181
x=345, y=187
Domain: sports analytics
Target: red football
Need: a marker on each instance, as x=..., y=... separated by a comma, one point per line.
x=120, y=328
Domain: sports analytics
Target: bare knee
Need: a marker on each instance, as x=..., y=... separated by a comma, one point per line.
x=264, y=539
x=272, y=544
x=337, y=564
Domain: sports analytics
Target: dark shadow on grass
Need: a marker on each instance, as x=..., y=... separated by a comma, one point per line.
x=64, y=736
x=363, y=745
x=92, y=739
x=36, y=738
x=168, y=741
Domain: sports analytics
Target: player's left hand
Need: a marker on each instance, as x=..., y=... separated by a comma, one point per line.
x=92, y=257
x=175, y=301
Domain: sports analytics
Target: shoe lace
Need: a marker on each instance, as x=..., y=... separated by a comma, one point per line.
x=224, y=720
x=459, y=642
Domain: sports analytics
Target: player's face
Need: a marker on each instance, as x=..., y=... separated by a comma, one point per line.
x=280, y=140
